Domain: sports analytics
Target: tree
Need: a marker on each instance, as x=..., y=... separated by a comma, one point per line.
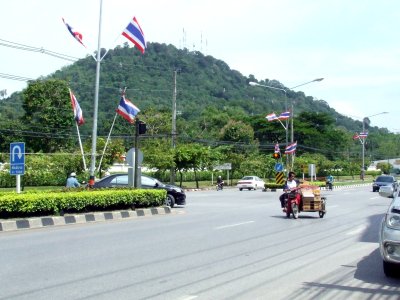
x=385, y=167
x=48, y=115
x=192, y=157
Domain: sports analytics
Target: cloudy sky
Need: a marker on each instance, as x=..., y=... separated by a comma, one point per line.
x=353, y=44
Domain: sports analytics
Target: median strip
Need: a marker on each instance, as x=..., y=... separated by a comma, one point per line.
x=40, y=222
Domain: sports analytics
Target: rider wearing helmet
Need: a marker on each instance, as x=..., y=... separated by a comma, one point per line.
x=72, y=182
x=220, y=182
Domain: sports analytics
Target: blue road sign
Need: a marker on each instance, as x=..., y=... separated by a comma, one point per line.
x=278, y=167
x=17, y=158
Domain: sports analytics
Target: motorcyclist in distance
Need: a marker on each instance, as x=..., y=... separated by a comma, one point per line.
x=220, y=182
x=329, y=182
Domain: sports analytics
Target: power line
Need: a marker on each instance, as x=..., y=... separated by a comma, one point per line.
x=14, y=45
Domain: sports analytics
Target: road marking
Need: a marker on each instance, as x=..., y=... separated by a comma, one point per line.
x=356, y=231
x=375, y=198
x=233, y=225
x=190, y=297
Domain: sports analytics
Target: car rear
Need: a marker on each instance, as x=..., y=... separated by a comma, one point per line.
x=246, y=183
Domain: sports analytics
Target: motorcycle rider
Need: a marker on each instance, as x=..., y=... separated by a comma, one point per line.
x=220, y=182
x=290, y=184
x=329, y=181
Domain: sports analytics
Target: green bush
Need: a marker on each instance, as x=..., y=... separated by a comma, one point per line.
x=38, y=203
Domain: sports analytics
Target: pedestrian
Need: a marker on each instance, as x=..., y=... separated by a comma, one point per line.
x=72, y=182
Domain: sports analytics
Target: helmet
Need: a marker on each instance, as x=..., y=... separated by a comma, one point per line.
x=73, y=174
x=219, y=177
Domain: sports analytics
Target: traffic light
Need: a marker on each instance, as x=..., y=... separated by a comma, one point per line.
x=276, y=155
x=142, y=127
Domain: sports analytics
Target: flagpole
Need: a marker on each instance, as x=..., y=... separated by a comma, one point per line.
x=105, y=146
x=80, y=145
x=95, y=108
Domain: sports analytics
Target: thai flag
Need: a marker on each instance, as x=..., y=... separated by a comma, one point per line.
x=284, y=116
x=271, y=117
x=291, y=148
x=363, y=135
x=75, y=34
x=78, y=115
x=135, y=34
x=127, y=110
x=277, y=150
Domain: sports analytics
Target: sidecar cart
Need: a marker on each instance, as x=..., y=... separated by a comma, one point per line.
x=312, y=201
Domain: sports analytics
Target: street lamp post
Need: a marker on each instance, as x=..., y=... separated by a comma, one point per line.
x=252, y=83
x=363, y=141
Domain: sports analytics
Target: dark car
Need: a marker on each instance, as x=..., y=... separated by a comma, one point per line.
x=175, y=195
x=384, y=180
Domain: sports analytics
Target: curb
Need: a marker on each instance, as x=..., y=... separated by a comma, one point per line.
x=40, y=222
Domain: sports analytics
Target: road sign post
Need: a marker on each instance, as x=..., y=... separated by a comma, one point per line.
x=17, y=162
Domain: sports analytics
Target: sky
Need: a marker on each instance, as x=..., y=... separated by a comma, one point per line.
x=353, y=44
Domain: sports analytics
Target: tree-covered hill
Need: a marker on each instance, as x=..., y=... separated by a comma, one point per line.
x=211, y=98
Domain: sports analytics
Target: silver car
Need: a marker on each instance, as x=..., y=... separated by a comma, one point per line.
x=389, y=235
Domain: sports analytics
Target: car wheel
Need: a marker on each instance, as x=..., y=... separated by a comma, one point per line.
x=240, y=189
x=391, y=269
x=170, y=201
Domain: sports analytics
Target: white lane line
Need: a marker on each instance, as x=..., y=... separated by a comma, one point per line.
x=357, y=231
x=190, y=297
x=233, y=225
x=373, y=198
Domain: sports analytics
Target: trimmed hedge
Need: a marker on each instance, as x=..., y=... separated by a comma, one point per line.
x=28, y=204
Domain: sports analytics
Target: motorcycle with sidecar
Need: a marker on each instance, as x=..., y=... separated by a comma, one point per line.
x=305, y=198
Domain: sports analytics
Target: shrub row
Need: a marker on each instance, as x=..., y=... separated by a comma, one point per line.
x=28, y=204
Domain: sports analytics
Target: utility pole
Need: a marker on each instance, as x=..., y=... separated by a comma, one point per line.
x=173, y=132
x=136, y=174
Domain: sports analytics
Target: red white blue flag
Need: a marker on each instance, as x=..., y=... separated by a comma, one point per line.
x=271, y=117
x=78, y=115
x=363, y=135
x=284, y=116
x=127, y=109
x=77, y=35
x=277, y=150
x=134, y=33
x=291, y=148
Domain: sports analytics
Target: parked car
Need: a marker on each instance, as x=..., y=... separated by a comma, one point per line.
x=389, y=234
x=384, y=180
x=250, y=183
x=175, y=195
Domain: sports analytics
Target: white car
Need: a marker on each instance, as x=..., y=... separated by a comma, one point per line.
x=389, y=235
x=250, y=183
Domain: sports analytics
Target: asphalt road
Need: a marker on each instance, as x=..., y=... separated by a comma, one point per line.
x=222, y=245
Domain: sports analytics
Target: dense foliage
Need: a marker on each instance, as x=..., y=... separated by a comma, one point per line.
x=220, y=117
